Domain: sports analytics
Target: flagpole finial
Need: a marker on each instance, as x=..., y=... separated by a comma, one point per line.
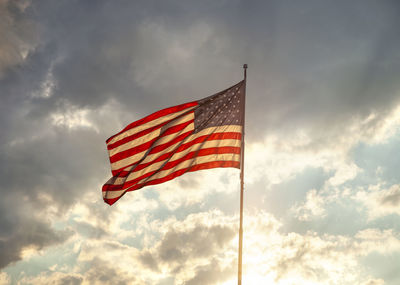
x=245, y=70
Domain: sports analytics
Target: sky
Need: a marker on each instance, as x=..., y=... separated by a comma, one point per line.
x=322, y=182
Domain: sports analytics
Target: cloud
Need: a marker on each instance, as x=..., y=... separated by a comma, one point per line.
x=380, y=202
x=322, y=78
x=280, y=156
x=193, y=251
x=194, y=188
x=374, y=282
x=329, y=259
x=201, y=241
x=101, y=272
x=19, y=34
x=4, y=278
x=311, y=208
x=26, y=234
x=182, y=251
x=212, y=273
x=202, y=248
x=178, y=249
x=54, y=278
x=186, y=247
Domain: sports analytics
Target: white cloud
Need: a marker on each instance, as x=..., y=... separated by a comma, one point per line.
x=269, y=255
x=193, y=188
x=313, y=207
x=47, y=278
x=374, y=281
x=281, y=156
x=202, y=249
x=47, y=87
x=71, y=118
x=4, y=278
x=105, y=118
x=311, y=258
x=380, y=202
x=181, y=247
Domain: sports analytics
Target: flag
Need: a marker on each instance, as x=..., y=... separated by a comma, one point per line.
x=193, y=136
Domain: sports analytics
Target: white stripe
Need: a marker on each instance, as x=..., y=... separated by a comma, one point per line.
x=150, y=136
x=218, y=129
x=113, y=194
x=208, y=131
x=191, y=162
x=132, y=159
x=185, y=164
x=136, y=157
x=178, y=155
x=147, y=125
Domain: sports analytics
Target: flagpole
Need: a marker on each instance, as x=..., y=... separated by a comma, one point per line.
x=242, y=185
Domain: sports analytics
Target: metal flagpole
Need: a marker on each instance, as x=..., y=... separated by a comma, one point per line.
x=242, y=184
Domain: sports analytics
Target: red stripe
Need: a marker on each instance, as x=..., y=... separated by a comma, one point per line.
x=154, y=116
x=201, y=139
x=144, y=132
x=112, y=201
x=135, y=136
x=187, y=145
x=207, y=165
x=137, y=149
x=172, y=164
x=178, y=138
x=166, y=156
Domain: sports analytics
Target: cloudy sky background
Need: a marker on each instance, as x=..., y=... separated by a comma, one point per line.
x=322, y=199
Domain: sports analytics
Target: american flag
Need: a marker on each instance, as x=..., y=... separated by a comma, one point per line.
x=193, y=136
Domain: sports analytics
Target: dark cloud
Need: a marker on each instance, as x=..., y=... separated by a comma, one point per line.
x=312, y=64
x=19, y=34
x=332, y=63
x=20, y=233
x=178, y=247
x=305, y=255
x=70, y=280
x=89, y=230
x=213, y=273
x=392, y=198
x=43, y=173
x=102, y=272
x=149, y=261
x=309, y=62
x=199, y=242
